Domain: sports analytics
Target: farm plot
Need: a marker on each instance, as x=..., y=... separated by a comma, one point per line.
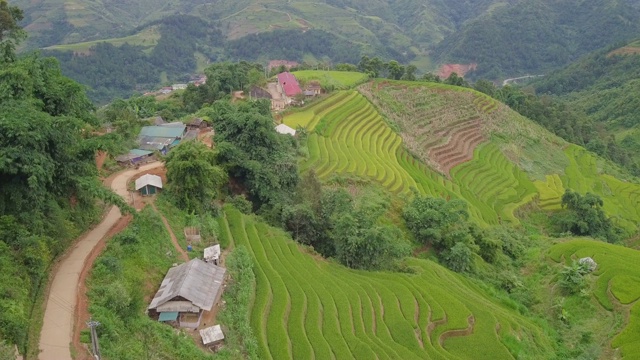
x=339, y=80
x=493, y=184
x=309, y=308
x=441, y=135
x=352, y=138
x=618, y=280
x=621, y=199
x=310, y=116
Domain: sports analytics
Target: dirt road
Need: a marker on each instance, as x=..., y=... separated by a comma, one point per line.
x=57, y=327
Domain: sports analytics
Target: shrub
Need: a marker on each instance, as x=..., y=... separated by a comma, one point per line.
x=459, y=258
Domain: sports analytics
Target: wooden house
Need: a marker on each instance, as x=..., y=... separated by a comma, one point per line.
x=187, y=291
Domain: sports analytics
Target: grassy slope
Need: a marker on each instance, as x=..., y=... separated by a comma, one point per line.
x=344, y=313
x=338, y=80
x=617, y=284
x=147, y=38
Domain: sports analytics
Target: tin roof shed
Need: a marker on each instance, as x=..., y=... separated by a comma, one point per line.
x=148, y=179
x=195, y=283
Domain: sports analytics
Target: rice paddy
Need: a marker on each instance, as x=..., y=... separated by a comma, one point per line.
x=309, y=308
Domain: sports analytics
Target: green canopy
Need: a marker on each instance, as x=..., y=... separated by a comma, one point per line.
x=168, y=316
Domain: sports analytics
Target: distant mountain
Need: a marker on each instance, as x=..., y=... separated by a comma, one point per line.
x=407, y=26
x=533, y=36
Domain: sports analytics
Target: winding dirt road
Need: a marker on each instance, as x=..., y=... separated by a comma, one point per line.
x=57, y=328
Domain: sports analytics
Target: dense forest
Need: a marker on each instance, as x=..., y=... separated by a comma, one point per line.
x=531, y=37
x=48, y=180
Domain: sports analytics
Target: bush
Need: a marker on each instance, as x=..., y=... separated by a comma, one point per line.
x=573, y=278
x=459, y=258
x=241, y=203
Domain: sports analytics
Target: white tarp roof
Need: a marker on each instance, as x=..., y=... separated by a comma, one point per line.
x=284, y=129
x=212, y=252
x=195, y=281
x=148, y=179
x=211, y=334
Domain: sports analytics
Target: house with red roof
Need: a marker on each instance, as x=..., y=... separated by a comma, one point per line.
x=288, y=85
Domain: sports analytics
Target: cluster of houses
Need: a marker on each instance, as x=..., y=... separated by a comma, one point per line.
x=285, y=91
x=196, y=80
x=188, y=292
x=160, y=137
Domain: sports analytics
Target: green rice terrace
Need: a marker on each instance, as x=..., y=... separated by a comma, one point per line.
x=453, y=142
x=349, y=314
x=617, y=284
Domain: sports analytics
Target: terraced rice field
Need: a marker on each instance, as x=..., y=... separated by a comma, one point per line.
x=339, y=80
x=617, y=282
x=621, y=199
x=493, y=184
x=350, y=137
x=308, y=308
x=439, y=134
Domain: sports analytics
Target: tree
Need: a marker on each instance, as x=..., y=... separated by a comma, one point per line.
x=436, y=221
x=572, y=278
x=410, y=73
x=459, y=258
x=395, y=70
x=584, y=215
x=11, y=34
x=455, y=79
x=193, y=176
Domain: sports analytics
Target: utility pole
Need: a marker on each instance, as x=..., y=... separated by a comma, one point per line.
x=94, y=338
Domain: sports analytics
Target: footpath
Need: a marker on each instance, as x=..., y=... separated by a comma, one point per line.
x=56, y=335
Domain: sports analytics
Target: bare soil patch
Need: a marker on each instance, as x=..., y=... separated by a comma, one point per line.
x=461, y=69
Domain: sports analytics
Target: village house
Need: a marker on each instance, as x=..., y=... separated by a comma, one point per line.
x=172, y=131
x=197, y=123
x=134, y=157
x=288, y=86
x=313, y=89
x=187, y=291
x=148, y=184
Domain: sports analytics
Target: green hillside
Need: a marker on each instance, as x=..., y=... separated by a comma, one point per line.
x=346, y=314
x=604, y=86
x=531, y=37
x=482, y=151
x=616, y=285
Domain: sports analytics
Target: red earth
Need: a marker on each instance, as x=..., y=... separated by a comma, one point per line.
x=461, y=69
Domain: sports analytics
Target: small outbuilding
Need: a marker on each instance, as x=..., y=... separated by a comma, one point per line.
x=148, y=184
x=192, y=234
x=284, y=129
x=212, y=254
x=212, y=337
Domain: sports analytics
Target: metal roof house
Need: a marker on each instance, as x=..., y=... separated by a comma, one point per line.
x=284, y=129
x=134, y=156
x=148, y=184
x=289, y=84
x=186, y=292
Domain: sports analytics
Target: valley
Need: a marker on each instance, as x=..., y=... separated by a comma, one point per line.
x=341, y=203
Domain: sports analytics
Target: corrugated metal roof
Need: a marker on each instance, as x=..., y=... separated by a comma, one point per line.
x=180, y=306
x=211, y=334
x=195, y=281
x=289, y=84
x=148, y=179
x=212, y=252
x=139, y=152
x=284, y=129
x=163, y=131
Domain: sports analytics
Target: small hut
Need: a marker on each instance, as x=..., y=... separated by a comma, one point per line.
x=284, y=129
x=212, y=254
x=192, y=234
x=148, y=184
x=212, y=337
